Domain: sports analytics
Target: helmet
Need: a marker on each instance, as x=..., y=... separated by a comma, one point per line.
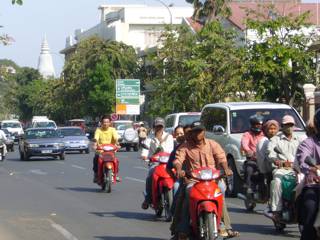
x=316, y=120
x=158, y=122
x=256, y=119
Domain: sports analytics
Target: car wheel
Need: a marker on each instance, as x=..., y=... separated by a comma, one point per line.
x=136, y=148
x=128, y=148
x=62, y=156
x=234, y=183
x=87, y=151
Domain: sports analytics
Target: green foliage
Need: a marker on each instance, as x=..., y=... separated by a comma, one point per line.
x=196, y=69
x=210, y=10
x=17, y=2
x=279, y=61
x=90, y=74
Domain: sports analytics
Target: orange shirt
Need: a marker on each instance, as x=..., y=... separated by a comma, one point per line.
x=193, y=157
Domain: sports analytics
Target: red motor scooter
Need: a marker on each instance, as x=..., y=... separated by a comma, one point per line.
x=107, y=166
x=205, y=204
x=162, y=186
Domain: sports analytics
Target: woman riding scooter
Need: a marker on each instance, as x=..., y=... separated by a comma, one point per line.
x=309, y=199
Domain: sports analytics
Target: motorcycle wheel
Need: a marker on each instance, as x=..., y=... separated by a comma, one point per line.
x=279, y=226
x=208, y=226
x=167, y=203
x=250, y=205
x=108, y=181
x=159, y=210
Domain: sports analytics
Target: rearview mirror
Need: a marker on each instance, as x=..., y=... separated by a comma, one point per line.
x=218, y=129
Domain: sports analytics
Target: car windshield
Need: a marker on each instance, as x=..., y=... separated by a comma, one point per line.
x=188, y=119
x=41, y=133
x=72, y=132
x=240, y=118
x=122, y=126
x=44, y=124
x=11, y=125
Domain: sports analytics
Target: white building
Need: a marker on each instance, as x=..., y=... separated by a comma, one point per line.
x=137, y=25
x=45, y=64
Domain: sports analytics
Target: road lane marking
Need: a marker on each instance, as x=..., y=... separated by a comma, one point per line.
x=135, y=179
x=143, y=168
x=38, y=172
x=68, y=235
x=77, y=166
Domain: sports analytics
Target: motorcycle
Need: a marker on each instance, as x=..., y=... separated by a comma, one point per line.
x=162, y=186
x=259, y=192
x=107, y=166
x=206, y=203
x=2, y=152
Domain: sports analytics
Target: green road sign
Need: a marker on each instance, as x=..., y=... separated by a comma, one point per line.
x=128, y=89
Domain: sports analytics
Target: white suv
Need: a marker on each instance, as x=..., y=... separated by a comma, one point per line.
x=14, y=127
x=226, y=122
x=183, y=118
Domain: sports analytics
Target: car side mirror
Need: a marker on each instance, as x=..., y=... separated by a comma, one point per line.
x=218, y=130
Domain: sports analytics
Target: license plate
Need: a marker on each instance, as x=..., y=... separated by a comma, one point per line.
x=74, y=145
x=46, y=151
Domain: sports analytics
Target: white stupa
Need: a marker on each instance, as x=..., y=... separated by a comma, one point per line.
x=45, y=64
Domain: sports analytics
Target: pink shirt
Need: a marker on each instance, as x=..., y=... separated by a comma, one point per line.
x=249, y=142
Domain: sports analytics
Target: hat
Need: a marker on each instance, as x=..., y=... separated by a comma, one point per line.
x=159, y=122
x=288, y=119
x=197, y=126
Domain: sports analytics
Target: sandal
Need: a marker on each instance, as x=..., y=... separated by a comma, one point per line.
x=231, y=233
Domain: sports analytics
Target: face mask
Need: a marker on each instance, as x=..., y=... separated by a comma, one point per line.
x=287, y=130
x=180, y=139
x=256, y=130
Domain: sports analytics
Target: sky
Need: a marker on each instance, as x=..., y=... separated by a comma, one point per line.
x=57, y=19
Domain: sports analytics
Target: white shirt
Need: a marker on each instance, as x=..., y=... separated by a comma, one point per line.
x=3, y=135
x=153, y=143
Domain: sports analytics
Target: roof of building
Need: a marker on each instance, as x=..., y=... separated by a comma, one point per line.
x=239, y=13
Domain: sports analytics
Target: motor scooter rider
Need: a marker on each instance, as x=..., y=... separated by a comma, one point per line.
x=161, y=141
x=142, y=133
x=249, y=143
x=105, y=134
x=3, y=139
x=281, y=152
x=270, y=129
x=196, y=153
x=308, y=204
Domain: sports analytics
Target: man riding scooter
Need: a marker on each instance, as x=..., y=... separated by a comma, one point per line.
x=196, y=153
x=104, y=135
x=249, y=143
x=281, y=152
x=3, y=146
x=161, y=141
x=309, y=214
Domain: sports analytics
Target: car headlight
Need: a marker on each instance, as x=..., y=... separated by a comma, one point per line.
x=84, y=141
x=67, y=142
x=58, y=145
x=32, y=145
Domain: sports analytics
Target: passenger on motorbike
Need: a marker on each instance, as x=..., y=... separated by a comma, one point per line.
x=161, y=141
x=3, y=139
x=105, y=134
x=249, y=143
x=309, y=198
x=270, y=129
x=196, y=153
x=281, y=152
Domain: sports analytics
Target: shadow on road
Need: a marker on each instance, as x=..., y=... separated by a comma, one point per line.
x=79, y=189
x=126, y=237
x=289, y=232
x=128, y=215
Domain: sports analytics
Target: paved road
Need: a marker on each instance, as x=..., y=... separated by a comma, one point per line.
x=56, y=200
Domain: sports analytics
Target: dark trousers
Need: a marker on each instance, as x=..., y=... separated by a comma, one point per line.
x=309, y=206
x=250, y=167
x=95, y=163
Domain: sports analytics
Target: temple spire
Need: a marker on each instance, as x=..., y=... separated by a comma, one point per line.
x=45, y=64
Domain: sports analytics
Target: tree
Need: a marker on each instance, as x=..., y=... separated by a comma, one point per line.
x=90, y=74
x=279, y=60
x=209, y=10
x=195, y=69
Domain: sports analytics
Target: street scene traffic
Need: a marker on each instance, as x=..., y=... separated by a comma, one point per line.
x=180, y=120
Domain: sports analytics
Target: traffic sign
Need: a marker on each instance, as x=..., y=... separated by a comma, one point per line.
x=128, y=96
x=114, y=117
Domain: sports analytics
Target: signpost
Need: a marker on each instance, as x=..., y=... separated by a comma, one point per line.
x=128, y=96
